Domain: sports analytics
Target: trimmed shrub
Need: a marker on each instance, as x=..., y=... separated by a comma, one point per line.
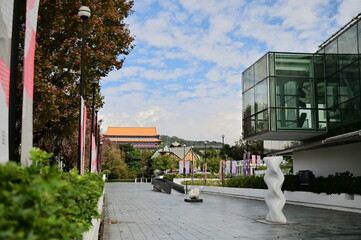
x=42, y=202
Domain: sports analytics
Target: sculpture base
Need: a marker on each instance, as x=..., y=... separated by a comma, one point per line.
x=193, y=200
x=274, y=223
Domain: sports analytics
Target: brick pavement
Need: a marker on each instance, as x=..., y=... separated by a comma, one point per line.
x=134, y=212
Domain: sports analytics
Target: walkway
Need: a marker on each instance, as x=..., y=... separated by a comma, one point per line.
x=134, y=211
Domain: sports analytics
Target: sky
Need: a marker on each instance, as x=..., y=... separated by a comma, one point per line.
x=184, y=75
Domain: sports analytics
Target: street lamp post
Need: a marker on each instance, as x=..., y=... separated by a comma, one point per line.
x=192, y=168
x=184, y=158
x=94, y=83
x=205, y=161
x=84, y=13
x=223, y=161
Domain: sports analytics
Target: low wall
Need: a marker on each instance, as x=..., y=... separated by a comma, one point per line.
x=341, y=202
x=92, y=234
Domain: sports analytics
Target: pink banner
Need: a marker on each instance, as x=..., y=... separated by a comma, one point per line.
x=187, y=166
x=205, y=171
x=94, y=155
x=181, y=166
x=32, y=7
x=228, y=167
x=6, y=20
x=254, y=160
x=234, y=167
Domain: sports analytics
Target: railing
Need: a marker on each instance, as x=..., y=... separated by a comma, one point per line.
x=142, y=180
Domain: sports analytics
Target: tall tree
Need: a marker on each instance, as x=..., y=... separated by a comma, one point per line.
x=57, y=64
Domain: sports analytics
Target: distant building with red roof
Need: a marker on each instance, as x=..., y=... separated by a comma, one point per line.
x=139, y=137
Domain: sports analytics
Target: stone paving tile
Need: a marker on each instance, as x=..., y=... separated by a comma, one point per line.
x=133, y=211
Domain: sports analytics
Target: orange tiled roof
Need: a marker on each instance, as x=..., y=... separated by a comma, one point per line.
x=131, y=131
x=133, y=140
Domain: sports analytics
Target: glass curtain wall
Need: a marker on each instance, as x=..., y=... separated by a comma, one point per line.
x=342, y=81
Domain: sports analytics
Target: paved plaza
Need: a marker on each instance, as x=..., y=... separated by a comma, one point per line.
x=134, y=211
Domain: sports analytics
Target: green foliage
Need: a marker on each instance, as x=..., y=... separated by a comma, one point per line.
x=165, y=162
x=115, y=163
x=121, y=180
x=246, y=182
x=41, y=202
x=169, y=177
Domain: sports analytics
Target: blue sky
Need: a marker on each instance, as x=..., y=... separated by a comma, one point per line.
x=184, y=75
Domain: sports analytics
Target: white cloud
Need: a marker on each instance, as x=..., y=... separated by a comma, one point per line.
x=184, y=77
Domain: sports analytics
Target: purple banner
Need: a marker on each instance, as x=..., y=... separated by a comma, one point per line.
x=187, y=166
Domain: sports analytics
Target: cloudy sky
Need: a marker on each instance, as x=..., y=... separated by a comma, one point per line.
x=184, y=75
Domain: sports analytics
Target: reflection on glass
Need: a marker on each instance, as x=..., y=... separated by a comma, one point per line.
x=295, y=119
x=261, y=69
x=347, y=41
x=296, y=65
x=261, y=96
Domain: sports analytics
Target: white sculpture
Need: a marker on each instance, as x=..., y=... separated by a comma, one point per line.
x=275, y=199
x=194, y=193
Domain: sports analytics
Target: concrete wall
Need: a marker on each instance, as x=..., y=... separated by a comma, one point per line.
x=325, y=161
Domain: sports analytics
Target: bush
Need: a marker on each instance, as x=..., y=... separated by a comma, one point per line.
x=246, y=182
x=41, y=202
x=120, y=180
x=169, y=177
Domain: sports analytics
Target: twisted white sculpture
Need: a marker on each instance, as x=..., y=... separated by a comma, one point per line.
x=275, y=199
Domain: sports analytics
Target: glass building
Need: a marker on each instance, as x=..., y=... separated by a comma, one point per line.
x=305, y=96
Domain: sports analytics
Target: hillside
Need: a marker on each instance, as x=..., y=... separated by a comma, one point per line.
x=167, y=140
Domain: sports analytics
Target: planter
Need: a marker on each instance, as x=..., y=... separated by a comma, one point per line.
x=343, y=201
x=92, y=234
x=340, y=202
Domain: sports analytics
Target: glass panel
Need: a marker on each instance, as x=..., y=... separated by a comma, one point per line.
x=271, y=62
x=247, y=127
x=253, y=125
x=299, y=65
x=248, y=78
x=272, y=91
x=248, y=102
x=295, y=119
x=334, y=118
x=322, y=120
x=330, y=64
x=320, y=93
x=319, y=63
x=350, y=113
x=346, y=59
x=359, y=37
x=261, y=96
x=349, y=82
x=347, y=41
x=294, y=92
x=332, y=92
x=331, y=47
x=261, y=69
x=262, y=121
x=273, y=119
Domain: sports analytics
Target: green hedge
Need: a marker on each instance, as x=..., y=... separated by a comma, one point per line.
x=120, y=180
x=42, y=202
x=335, y=183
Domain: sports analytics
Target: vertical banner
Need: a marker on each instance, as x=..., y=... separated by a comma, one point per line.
x=228, y=167
x=32, y=7
x=6, y=24
x=82, y=136
x=205, y=171
x=221, y=169
x=181, y=167
x=94, y=156
x=258, y=163
x=234, y=167
x=187, y=166
x=254, y=160
x=244, y=164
